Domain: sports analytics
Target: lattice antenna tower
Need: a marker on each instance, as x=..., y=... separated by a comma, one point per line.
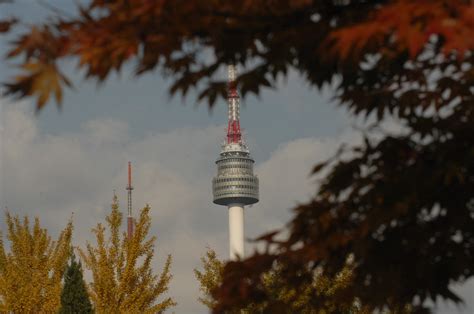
x=129, y=189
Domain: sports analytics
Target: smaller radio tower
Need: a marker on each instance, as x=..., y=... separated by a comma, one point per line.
x=129, y=199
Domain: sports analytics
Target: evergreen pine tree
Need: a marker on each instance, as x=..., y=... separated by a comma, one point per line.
x=74, y=297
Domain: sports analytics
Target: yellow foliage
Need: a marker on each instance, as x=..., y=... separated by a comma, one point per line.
x=295, y=300
x=210, y=278
x=122, y=277
x=31, y=273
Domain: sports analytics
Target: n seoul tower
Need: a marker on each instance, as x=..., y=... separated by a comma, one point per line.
x=235, y=184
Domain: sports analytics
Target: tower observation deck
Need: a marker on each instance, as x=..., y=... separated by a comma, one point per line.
x=235, y=184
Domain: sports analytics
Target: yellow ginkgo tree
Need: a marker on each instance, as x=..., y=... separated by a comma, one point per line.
x=32, y=269
x=123, y=280
x=315, y=297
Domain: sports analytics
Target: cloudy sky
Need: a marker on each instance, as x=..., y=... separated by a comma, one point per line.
x=70, y=161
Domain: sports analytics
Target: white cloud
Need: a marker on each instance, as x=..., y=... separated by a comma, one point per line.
x=106, y=131
x=52, y=176
x=285, y=181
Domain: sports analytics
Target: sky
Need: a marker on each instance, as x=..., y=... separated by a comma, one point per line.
x=67, y=163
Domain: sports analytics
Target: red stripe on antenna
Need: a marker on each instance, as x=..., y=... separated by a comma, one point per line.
x=234, y=134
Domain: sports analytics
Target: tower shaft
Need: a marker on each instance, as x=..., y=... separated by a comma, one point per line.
x=236, y=231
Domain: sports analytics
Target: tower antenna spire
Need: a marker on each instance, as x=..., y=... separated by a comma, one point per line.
x=234, y=134
x=129, y=202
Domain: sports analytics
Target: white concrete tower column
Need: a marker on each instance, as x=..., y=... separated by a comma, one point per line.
x=236, y=231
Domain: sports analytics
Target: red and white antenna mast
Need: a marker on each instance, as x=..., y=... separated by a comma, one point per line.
x=129, y=190
x=233, y=100
x=235, y=185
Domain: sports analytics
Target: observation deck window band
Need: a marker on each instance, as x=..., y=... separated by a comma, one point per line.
x=236, y=194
